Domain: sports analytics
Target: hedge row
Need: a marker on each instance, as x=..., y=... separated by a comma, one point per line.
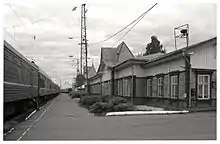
x=76, y=94
x=104, y=104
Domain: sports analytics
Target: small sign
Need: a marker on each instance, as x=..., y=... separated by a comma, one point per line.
x=193, y=92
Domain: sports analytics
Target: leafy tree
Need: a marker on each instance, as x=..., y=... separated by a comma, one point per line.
x=80, y=79
x=154, y=46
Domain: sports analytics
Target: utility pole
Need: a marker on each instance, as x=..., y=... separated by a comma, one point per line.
x=84, y=52
x=183, y=32
x=77, y=63
x=83, y=56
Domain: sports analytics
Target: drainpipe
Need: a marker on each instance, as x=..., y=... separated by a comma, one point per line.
x=132, y=79
x=101, y=84
x=113, y=82
x=187, y=78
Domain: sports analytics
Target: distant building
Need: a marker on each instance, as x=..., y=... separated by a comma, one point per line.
x=180, y=79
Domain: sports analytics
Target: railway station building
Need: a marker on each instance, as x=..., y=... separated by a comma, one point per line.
x=184, y=78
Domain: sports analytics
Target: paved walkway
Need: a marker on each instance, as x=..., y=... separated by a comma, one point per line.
x=63, y=119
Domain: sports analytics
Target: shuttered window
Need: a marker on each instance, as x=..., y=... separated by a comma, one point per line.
x=174, y=86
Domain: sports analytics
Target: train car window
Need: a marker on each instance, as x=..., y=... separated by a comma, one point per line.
x=8, y=55
x=10, y=72
x=42, y=83
x=17, y=65
x=34, y=77
x=17, y=61
x=24, y=74
x=27, y=75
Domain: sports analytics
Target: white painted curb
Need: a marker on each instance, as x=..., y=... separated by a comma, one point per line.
x=145, y=113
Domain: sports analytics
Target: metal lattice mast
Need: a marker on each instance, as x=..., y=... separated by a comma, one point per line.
x=84, y=52
x=83, y=57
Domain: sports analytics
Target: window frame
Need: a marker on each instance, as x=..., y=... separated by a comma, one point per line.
x=176, y=85
x=149, y=87
x=160, y=87
x=203, y=86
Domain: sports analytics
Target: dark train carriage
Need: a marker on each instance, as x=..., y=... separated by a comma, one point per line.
x=21, y=80
x=20, y=76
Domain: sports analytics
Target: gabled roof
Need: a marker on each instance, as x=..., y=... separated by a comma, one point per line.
x=91, y=71
x=144, y=60
x=179, y=51
x=107, y=57
x=119, y=50
x=150, y=57
x=110, y=56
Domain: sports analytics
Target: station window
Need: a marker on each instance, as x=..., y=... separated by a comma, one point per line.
x=149, y=87
x=203, y=86
x=160, y=87
x=174, y=86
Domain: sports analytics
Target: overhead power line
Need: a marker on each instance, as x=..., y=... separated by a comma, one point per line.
x=136, y=23
x=142, y=15
x=16, y=14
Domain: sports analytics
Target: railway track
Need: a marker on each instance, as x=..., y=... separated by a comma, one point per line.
x=11, y=121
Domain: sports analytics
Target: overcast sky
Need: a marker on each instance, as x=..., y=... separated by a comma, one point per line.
x=52, y=22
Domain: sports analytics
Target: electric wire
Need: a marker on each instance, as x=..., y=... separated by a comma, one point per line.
x=135, y=24
x=122, y=28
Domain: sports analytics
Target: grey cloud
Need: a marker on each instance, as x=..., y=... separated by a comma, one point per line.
x=54, y=23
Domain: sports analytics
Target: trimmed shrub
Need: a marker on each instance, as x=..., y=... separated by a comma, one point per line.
x=105, y=99
x=118, y=100
x=102, y=104
x=74, y=94
x=124, y=107
x=88, y=101
x=98, y=108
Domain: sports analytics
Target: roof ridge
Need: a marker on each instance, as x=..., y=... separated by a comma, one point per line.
x=181, y=49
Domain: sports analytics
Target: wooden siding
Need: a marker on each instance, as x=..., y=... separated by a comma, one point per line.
x=165, y=67
x=106, y=75
x=124, y=54
x=204, y=56
x=138, y=71
x=95, y=80
x=123, y=72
